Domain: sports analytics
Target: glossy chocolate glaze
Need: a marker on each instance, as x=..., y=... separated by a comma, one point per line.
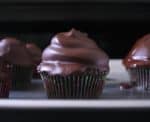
x=35, y=53
x=73, y=51
x=139, y=55
x=15, y=52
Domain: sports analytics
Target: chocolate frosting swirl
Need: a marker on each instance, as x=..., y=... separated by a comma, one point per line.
x=35, y=53
x=14, y=52
x=72, y=51
x=139, y=55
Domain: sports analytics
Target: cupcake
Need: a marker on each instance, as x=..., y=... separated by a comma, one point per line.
x=36, y=54
x=137, y=63
x=5, y=79
x=20, y=61
x=73, y=66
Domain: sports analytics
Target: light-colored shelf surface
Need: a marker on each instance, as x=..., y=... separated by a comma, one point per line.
x=76, y=104
x=43, y=1
x=118, y=71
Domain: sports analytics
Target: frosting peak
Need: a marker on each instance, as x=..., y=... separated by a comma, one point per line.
x=73, y=39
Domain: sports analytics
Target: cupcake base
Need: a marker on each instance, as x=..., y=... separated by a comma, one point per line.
x=140, y=76
x=21, y=77
x=5, y=88
x=35, y=74
x=83, y=85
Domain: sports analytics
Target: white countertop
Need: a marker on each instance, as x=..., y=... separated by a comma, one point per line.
x=117, y=71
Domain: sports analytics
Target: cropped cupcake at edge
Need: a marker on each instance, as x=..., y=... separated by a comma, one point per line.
x=36, y=55
x=20, y=61
x=5, y=77
x=73, y=66
x=137, y=63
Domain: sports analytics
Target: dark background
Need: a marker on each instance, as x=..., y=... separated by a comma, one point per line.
x=114, y=25
x=115, y=37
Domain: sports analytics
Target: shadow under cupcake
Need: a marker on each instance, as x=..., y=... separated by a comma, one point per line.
x=73, y=66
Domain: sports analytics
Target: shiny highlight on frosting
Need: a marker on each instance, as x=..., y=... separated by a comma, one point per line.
x=139, y=55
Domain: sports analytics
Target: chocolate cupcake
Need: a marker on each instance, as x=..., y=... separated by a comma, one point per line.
x=36, y=55
x=5, y=78
x=137, y=63
x=73, y=66
x=20, y=61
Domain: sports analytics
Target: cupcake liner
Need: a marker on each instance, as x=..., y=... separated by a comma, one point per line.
x=5, y=88
x=35, y=74
x=140, y=76
x=84, y=85
x=21, y=76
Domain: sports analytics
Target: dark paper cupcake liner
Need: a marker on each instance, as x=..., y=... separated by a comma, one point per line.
x=35, y=74
x=140, y=76
x=5, y=88
x=21, y=77
x=84, y=85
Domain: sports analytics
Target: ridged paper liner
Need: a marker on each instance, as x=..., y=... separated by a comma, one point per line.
x=5, y=88
x=83, y=85
x=21, y=76
x=140, y=76
x=35, y=74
